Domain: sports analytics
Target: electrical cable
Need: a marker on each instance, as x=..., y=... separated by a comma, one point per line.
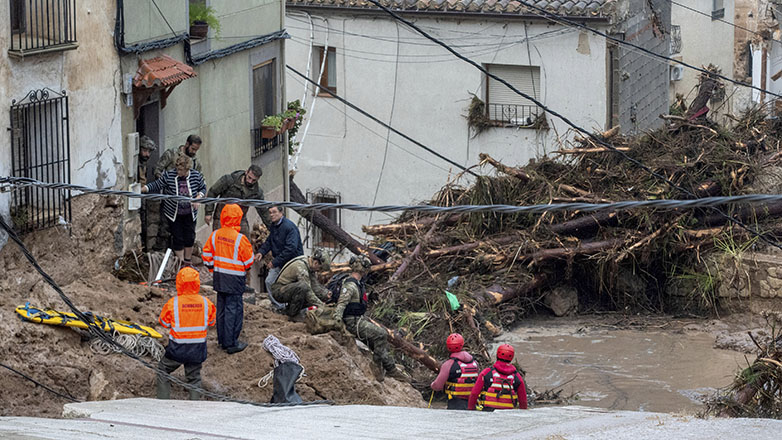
x=722, y=20
x=672, y=204
x=49, y=389
x=164, y=17
x=354, y=107
x=99, y=333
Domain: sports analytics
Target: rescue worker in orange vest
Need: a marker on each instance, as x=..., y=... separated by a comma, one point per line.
x=186, y=316
x=229, y=255
x=499, y=386
x=458, y=374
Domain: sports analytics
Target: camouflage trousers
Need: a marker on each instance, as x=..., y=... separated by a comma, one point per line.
x=298, y=295
x=375, y=337
x=158, y=236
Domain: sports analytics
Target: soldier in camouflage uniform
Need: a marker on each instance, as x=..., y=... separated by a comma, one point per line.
x=298, y=283
x=241, y=185
x=351, y=307
x=146, y=147
x=157, y=227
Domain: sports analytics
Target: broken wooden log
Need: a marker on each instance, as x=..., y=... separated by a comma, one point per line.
x=585, y=225
x=497, y=294
x=581, y=249
x=417, y=353
x=515, y=172
x=408, y=227
x=498, y=241
x=581, y=193
x=406, y=262
x=591, y=150
x=747, y=213
x=328, y=226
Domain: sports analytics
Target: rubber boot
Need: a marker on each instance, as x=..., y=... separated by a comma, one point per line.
x=379, y=372
x=194, y=394
x=163, y=388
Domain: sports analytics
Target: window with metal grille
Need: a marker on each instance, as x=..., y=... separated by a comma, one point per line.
x=263, y=100
x=504, y=106
x=40, y=150
x=40, y=26
x=718, y=9
x=321, y=238
x=329, y=78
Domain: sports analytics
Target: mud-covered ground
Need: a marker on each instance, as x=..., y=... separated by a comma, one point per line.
x=80, y=261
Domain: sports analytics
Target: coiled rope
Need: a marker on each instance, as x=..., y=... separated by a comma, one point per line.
x=281, y=354
x=137, y=344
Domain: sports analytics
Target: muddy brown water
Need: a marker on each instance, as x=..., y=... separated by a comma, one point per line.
x=636, y=370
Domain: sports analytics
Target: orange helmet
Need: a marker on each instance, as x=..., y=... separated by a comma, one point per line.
x=505, y=352
x=455, y=342
x=188, y=281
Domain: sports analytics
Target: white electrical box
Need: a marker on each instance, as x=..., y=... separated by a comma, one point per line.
x=134, y=204
x=677, y=73
x=131, y=158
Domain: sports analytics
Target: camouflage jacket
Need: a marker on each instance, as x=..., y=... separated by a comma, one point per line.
x=230, y=185
x=168, y=159
x=349, y=294
x=299, y=270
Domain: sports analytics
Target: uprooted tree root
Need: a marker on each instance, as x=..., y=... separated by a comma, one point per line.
x=757, y=390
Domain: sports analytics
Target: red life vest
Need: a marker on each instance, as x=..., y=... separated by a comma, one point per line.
x=461, y=379
x=499, y=391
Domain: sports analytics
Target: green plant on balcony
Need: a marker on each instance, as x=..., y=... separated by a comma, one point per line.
x=272, y=121
x=203, y=17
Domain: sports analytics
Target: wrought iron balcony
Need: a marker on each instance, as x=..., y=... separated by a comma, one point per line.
x=262, y=143
x=41, y=26
x=516, y=115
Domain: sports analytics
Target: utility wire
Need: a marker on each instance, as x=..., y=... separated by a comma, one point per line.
x=164, y=17
x=704, y=202
x=49, y=389
x=706, y=14
x=591, y=135
x=561, y=19
x=354, y=107
x=95, y=330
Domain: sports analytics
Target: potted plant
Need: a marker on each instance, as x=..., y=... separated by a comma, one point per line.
x=271, y=126
x=202, y=17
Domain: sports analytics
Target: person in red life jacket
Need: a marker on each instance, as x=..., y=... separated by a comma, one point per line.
x=186, y=316
x=229, y=255
x=458, y=374
x=499, y=386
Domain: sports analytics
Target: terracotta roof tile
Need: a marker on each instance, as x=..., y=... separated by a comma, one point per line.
x=573, y=8
x=162, y=71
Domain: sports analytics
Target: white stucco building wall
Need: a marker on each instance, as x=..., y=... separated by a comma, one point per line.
x=423, y=91
x=704, y=41
x=89, y=76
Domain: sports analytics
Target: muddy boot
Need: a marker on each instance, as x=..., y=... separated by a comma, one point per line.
x=379, y=372
x=399, y=374
x=163, y=388
x=194, y=395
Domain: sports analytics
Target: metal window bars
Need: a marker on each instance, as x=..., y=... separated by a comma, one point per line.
x=40, y=149
x=515, y=115
x=262, y=144
x=39, y=26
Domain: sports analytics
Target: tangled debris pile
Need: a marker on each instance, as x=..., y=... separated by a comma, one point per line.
x=504, y=266
x=757, y=390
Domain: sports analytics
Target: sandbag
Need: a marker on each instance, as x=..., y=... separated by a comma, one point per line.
x=321, y=320
x=285, y=376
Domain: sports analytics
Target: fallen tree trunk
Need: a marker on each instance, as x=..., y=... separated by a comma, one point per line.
x=748, y=213
x=505, y=239
x=581, y=249
x=515, y=172
x=328, y=226
x=497, y=294
x=417, y=353
x=585, y=225
x=405, y=228
x=406, y=262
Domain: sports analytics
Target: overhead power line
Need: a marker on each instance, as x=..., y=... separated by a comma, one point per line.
x=591, y=135
x=706, y=14
x=354, y=107
x=705, y=202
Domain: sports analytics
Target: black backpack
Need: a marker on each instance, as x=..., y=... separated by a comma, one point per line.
x=335, y=286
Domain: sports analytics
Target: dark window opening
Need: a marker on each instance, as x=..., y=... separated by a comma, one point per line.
x=263, y=102
x=328, y=80
x=39, y=26
x=321, y=238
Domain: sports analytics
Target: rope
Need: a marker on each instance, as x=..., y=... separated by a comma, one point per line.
x=137, y=344
x=705, y=202
x=281, y=354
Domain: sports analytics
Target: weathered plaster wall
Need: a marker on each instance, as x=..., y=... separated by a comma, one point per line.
x=423, y=91
x=90, y=77
x=245, y=18
x=704, y=41
x=144, y=22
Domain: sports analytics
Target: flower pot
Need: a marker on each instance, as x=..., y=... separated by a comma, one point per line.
x=268, y=132
x=288, y=124
x=199, y=30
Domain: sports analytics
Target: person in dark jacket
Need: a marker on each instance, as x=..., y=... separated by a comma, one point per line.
x=182, y=216
x=284, y=242
x=240, y=184
x=499, y=386
x=186, y=316
x=458, y=374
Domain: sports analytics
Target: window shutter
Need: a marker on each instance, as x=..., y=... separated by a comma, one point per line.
x=525, y=78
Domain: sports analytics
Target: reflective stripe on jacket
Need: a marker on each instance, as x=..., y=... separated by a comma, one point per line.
x=187, y=317
x=228, y=254
x=461, y=379
x=500, y=392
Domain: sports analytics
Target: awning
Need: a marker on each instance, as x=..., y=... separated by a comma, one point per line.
x=162, y=74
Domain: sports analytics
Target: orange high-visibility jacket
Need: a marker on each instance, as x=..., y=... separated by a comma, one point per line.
x=227, y=253
x=187, y=316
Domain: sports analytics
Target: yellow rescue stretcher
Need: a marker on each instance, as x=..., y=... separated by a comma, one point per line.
x=54, y=317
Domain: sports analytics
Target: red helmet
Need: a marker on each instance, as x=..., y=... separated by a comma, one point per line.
x=505, y=352
x=455, y=342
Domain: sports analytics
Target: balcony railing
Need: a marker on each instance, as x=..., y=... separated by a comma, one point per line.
x=516, y=115
x=261, y=144
x=40, y=26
